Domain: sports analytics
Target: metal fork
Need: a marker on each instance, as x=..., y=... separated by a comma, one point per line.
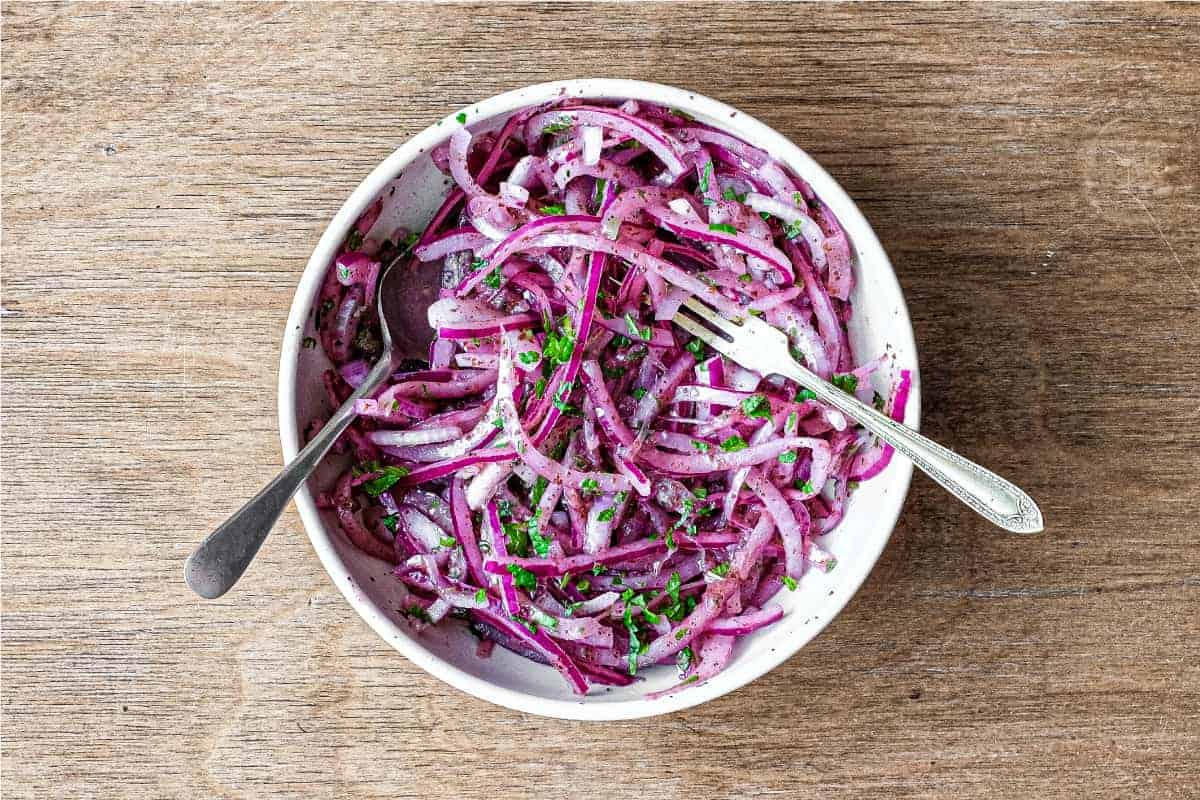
x=758, y=346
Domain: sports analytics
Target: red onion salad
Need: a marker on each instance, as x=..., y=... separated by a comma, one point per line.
x=572, y=476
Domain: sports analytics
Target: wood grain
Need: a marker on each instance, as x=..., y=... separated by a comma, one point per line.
x=1033, y=171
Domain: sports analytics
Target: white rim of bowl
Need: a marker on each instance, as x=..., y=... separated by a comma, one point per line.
x=746, y=126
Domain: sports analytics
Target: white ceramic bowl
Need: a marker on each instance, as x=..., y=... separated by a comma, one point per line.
x=880, y=323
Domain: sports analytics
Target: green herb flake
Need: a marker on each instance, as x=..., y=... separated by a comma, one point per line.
x=494, y=278
x=672, y=588
x=597, y=569
x=589, y=485
x=388, y=477
x=416, y=612
x=523, y=578
x=680, y=634
x=354, y=241
x=705, y=175
x=478, y=264
x=538, y=490
x=642, y=333
x=638, y=393
x=539, y=387
x=529, y=357
x=517, y=537
x=877, y=401
x=847, y=383
x=700, y=492
x=804, y=486
x=563, y=125
x=757, y=406
x=462, y=118
x=721, y=570
x=481, y=596
x=790, y=583
x=606, y=515
x=554, y=210
x=792, y=230
x=788, y=458
x=746, y=277
x=733, y=444
x=309, y=343
x=721, y=227
x=389, y=522
x=683, y=660
x=805, y=394
x=730, y=194
x=701, y=447
x=448, y=542
x=583, y=584
x=696, y=348
x=541, y=544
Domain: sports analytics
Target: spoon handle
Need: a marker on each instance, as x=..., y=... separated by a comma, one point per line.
x=215, y=566
x=995, y=499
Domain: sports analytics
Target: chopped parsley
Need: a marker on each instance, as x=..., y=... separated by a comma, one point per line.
x=804, y=486
x=847, y=383
x=564, y=124
x=788, y=458
x=700, y=446
x=554, y=210
x=680, y=634
x=462, y=118
x=388, y=477
x=683, y=660
x=539, y=387
x=389, y=522
x=539, y=489
x=589, y=485
x=493, y=279
x=721, y=570
x=696, y=348
x=417, y=612
x=597, y=568
x=559, y=344
x=631, y=324
x=606, y=515
x=481, y=596
x=354, y=241
x=705, y=175
x=757, y=406
x=790, y=582
x=672, y=588
x=523, y=578
x=638, y=393
x=792, y=230
x=478, y=264
x=700, y=492
x=877, y=401
x=730, y=194
x=541, y=544
x=746, y=277
x=733, y=444
x=805, y=394
x=518, y=538
x=448, y=541
x=721, y=227
x=529, y=357
x=583, y=584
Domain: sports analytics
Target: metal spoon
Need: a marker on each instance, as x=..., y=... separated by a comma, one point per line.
x=405, y=292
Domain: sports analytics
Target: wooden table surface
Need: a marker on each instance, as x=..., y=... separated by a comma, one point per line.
x=1034, y=171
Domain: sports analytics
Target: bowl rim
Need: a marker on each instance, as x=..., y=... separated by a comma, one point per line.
x=744, y=125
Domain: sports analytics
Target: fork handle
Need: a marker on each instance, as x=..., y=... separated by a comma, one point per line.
x=992, y=497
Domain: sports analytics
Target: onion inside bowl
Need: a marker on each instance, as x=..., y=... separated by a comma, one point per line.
x=540, y=698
